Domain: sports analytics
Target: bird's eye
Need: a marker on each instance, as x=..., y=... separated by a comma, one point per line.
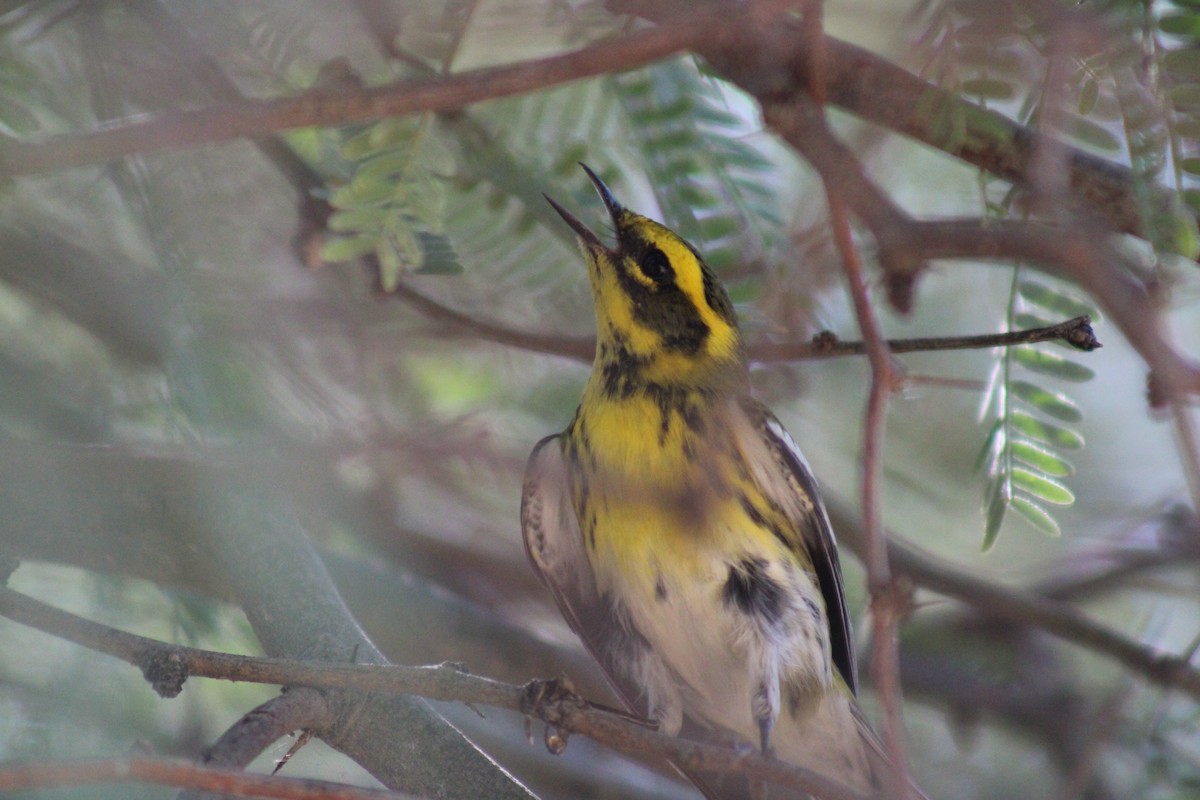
x=656, y=266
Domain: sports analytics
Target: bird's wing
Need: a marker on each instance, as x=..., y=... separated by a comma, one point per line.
x=554, y=544
x=784, y=476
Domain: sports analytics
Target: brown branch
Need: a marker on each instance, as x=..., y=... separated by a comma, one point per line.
x=857, y=80
x=576, y=348
x=1055, y=617
x=877, y=90
x=182, y=774
x=1076, y=332
x=557, y=707
x=257, y=118
x=1084, y=257
x=262, y=726
x=886, y=601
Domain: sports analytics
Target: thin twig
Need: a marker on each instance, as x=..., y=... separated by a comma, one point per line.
x=886, y=600
x=1076, y=332
x=562, y=710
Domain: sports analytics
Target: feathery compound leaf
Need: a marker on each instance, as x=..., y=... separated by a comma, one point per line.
x=395, y=199
x=998, y=496
x=710, y=184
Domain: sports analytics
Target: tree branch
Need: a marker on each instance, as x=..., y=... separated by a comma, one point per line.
x=551, y=702
x=182, y=774
x=886, y=602
x=257, y=118
x=1055, y=617
x=1076, y=332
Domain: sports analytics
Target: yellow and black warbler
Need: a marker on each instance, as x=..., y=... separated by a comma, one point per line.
x=679, y=527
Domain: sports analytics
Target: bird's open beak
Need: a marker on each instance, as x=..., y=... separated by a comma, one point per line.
x=583, y=231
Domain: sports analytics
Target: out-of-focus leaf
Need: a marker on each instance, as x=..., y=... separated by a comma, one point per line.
x=347, y=248
x=1041, y=487
x=1054, y=435
x=1045, y=461
x=1055, y=404
x=1052, y=364
x=1035, y=515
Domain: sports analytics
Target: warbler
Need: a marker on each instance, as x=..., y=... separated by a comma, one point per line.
x=679, y=527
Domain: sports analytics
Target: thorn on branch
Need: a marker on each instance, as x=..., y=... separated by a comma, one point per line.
x=165, y=671
x=304, y=738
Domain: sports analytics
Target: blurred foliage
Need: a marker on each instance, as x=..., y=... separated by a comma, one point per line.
x=232, y=307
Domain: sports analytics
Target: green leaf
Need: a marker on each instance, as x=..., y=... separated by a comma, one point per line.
x=390, y=266
x=1055, y=435
x=1055, y=404
x=1190, y=165
x=990, y=448
x=1056, y=300
x=362, y=193
x=1093, y=134
x=347, y=248
x=385, y=166
x=1192, y=198
x=1026, y=321
x=1183, y=62
x=1052, y=364
x=1037, y=516
x=988, y=88
x=1088, y=96
x=1041, y=487
x=1185, y=95
x=385, y=135
x=996, y=503
x=358, y=219
x=1045, y=461
x=1181, y=25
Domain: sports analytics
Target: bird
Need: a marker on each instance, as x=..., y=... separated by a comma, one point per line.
x=680, y=529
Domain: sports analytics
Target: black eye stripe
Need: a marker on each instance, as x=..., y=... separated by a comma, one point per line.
x=656, y=266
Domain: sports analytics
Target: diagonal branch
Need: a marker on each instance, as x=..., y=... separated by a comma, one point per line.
x=257, y=118
x=551, y=702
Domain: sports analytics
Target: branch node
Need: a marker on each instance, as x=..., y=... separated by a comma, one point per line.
x=1079, y=334
x=165, y=671
x=825, y=341
x=552, y=701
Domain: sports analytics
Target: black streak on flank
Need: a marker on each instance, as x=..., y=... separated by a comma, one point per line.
x=660, y=588
x=752, y=591
x=760, y=520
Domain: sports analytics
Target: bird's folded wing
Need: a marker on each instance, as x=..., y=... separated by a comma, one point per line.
x=784, y=476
